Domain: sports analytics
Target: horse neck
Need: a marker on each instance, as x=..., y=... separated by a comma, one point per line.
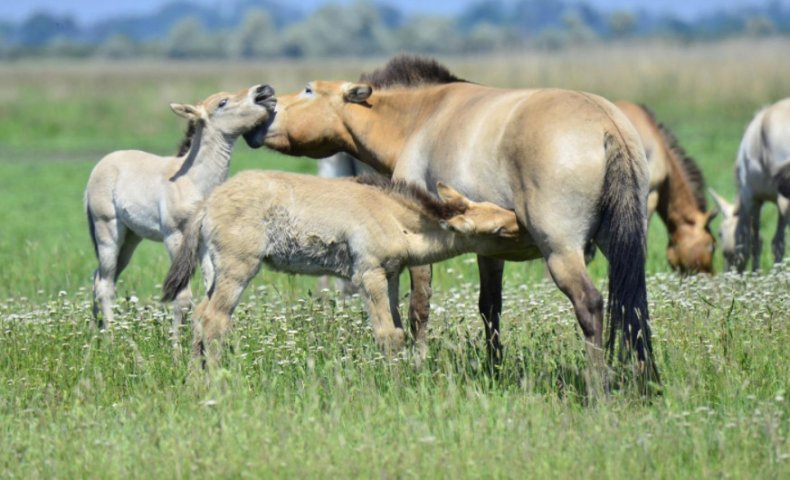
x=208, y=160
x=677, y=203
x=380, y=132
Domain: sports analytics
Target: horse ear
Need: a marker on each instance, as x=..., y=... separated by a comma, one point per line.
x=449, y=194
x=727, y=209
x=357, y=92
x=185, y=110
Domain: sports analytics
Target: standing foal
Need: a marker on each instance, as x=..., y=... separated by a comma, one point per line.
x=132, y=195
x=365, y=231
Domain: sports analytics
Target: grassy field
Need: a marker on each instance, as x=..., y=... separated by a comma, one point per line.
x=303, y=391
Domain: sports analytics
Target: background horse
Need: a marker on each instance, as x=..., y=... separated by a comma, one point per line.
x=677, y=193
x=569, y=163
x=762, y=174
x=132, y=195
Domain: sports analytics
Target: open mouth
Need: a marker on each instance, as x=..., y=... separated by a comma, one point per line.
x=264, y=96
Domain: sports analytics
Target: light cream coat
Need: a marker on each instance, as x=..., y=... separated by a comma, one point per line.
x=134, y=195
x=764, y=153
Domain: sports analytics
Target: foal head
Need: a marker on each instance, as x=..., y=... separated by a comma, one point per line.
x=230, y=114
x=478, y=218
x=727, y=227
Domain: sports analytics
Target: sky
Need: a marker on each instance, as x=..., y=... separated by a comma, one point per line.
x=91, y=10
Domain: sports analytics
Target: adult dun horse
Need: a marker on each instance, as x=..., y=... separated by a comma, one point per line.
x=677, y=193
x=569, y=163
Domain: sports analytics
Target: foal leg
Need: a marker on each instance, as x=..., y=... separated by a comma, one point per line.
x=490, y=304
x=778, y=242
x=420, y=306
x=110, y=236
x=568, y=270
x=377, y=285
x=212, y=317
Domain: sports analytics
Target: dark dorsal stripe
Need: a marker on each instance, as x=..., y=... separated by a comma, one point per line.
x=687, y=164
x=186, y=143
x=418, y=197
x=409, y=71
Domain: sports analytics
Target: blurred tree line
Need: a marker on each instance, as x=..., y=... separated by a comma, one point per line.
x=267, y=28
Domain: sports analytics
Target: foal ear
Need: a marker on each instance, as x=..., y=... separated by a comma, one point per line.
x=449, y=194
x=357, y=92
x=727, y=209
x=185, y=110
x=710, y=215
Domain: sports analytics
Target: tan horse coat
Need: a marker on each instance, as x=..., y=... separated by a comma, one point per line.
x=569, y=163
x=366, y=233
x=677, y=193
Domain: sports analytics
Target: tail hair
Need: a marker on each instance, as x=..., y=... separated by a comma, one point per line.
x=185, y=262
x=624, y=213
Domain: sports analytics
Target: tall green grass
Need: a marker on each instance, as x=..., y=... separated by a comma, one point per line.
x=302, y=391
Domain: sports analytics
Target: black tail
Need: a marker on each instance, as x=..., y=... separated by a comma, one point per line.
x=623, y=206
x=185, y=261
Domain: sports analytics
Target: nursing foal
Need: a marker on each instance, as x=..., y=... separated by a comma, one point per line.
x=365, y=230
x=132, y=195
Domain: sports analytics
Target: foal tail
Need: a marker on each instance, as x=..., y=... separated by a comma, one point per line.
x=185, y=261
x=623, y=218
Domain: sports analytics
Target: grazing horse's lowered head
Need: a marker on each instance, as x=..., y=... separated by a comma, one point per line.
x=677, y=193
x=729, y=222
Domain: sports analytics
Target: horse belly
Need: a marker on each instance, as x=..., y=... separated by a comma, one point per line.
x=144, y=222
x=304, y=246
x=309, y=256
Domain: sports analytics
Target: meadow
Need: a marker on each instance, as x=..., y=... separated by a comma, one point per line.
x=303, y=391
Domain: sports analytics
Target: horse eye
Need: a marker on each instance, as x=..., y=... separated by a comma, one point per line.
x=222, y=103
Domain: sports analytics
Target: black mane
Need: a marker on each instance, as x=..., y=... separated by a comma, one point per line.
x=186, y=143
x=425, y=201
x=409, y=71
x=687, y=163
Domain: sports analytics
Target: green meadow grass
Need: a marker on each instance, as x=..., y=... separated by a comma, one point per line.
x=302, y=391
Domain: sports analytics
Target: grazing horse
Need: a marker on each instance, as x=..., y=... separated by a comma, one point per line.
x=762, y=174
x=132, y=195
x=364, y=230
x=677, y=193
x=569, y=163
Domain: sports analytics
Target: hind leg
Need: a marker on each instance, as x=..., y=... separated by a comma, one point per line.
x=778, y=243
x=110, y=237
x=212, y=318
x=568, y=271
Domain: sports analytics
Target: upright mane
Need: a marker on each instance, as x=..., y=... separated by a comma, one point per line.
x=186, y=143
x=415, y=196
x=409, y=71
x=685, y=161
